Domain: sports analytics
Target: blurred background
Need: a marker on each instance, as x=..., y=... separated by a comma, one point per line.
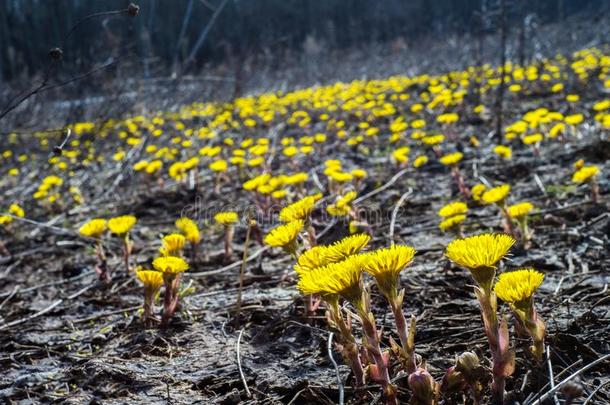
x=93, y=58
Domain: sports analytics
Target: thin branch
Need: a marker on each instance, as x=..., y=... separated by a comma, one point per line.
x=329, y=348
x=241, y=371
x=569, y=378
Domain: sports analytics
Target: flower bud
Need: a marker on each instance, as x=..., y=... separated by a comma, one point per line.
x=467, y=362
x=423, y=386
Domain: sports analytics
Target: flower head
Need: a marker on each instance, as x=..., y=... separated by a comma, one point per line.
x=170, y=264
x=16, y=210
x=285, y=235
x=477, y=191
x=93, y=228
x=480, y=254
x=121, y=225
x=189, y=228
x=386, y=264
x=496, y=195
x=173, y=244
x=517, y=287
x=585, y=173
x=451, y=222
x=319, y=256
x=452, y=158
x=520, y=210
x=503, y=151
x=298, y=210
x=226, y=218
x=454, y=208
x=150, y=278
x=420, y=161
x=339, y=278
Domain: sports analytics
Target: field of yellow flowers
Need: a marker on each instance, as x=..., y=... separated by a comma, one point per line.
x=366, y=242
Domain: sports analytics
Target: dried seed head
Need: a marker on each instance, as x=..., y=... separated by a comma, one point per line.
x=133, y=9
x=56, y=54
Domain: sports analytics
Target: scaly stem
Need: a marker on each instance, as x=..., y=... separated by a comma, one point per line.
x=373, y=347
x=406, y=335
x=170, y=299
x=497, y=336
x=594, y=190
x=126, y=251
x=149, y=305
x=349, y=347
x=229, y=231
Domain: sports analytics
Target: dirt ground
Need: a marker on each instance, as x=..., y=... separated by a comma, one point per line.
x=85, y=343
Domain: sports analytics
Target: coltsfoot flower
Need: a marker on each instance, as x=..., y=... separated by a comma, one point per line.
x=121, y=225
x=152, y=280
x=452, y=223
x=454, y=208
x=452, y=158
x=517, y=288
x=173, y=244
x=385, y=266
x=189, y=229
x=319, y=256
x=298, y=210
x=285, y=236
x=226, y=218
x=496, y=195
x=520, y=210
x=480, y=254
x=170, y=265
x=93, y=228
x=340, y=278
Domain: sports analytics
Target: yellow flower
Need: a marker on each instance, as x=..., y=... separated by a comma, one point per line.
x=574, y=119
x=121, y=225
x=579, y=164
x=451, y=222
x=451, y=158
x=477, y=191
x=342, y=206
x=170, y=264
x=517, y=287
x=520, y=210
x=150, y=278
x=585, y=174
x=93, y=228
x=386, y=264
x=189, y=228
x=226, y=218
x=503, y=151
x=16, y=210
x=173, y=244
x=532, y=139
x=480, y=254
x=340, y=278
x=359, y=173
x=219, y=165
x=454, y=208
x=496, y=195
x=432, y=140
x=298, y=210
x=285, y=235
x=5, y=219
x=348, y=246
x=401, y=154
x=420, y=161
x=340, y=177
x=319, y=256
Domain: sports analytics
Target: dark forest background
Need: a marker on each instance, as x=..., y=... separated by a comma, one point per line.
x=179, y=36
